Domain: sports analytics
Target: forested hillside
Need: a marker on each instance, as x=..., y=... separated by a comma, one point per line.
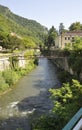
x=28, y=29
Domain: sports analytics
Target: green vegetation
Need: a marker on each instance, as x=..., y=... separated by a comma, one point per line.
x=13, y=62
x=19, y=32
x=75, y=56
x=3, y=84
x=50, y=38
x=67, y=100
x=61, y=28
x=10, y=76
x=75, y=26
x=64, y=76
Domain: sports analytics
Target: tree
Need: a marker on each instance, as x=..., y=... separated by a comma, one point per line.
x=29, y=43
x=75, y=58
x=52, y=34
x=77, y=45
x=3, y=39
x=75, y=26
x=14, y=42
x=61, y=28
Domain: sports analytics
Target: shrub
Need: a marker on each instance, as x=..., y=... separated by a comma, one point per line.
x=67, y=100
x=3, y=84
x=10, y=76
x=47, y=122
x=21, y=72
x=65, y=76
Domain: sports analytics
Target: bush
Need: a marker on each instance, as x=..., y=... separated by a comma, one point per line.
x=21, y=72
x=67, y=100
x=48, y=122
x=30, y=66
x=10, y=76
x=65, y=76
x=3, y=84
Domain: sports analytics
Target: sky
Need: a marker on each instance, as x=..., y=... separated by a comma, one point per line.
x=47, y=12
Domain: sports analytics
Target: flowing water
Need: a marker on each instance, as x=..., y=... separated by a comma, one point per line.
x=29, y=98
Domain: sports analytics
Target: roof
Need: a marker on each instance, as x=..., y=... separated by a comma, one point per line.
x=73, y=33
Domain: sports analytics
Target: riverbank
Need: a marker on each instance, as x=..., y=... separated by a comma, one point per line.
x=29, y=98
x=67, y=101
x=10, y=77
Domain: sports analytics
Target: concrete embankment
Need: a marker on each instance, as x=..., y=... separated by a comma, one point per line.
x=63, y=62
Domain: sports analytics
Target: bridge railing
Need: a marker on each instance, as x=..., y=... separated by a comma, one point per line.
x=74, y=121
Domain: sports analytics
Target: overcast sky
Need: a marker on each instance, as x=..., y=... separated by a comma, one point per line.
x=47, y=12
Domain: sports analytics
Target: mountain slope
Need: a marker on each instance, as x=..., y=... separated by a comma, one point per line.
x=10, y=22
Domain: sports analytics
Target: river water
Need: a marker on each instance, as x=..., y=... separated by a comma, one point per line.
x=29, y=98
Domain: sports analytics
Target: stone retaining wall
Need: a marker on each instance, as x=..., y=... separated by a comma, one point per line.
x=5, y=63
x=63, y=64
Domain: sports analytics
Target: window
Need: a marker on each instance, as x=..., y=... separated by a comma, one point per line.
x=68, y=38
x=65, y=38
x=72, y=39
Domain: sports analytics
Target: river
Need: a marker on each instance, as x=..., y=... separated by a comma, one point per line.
x=29, y=98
